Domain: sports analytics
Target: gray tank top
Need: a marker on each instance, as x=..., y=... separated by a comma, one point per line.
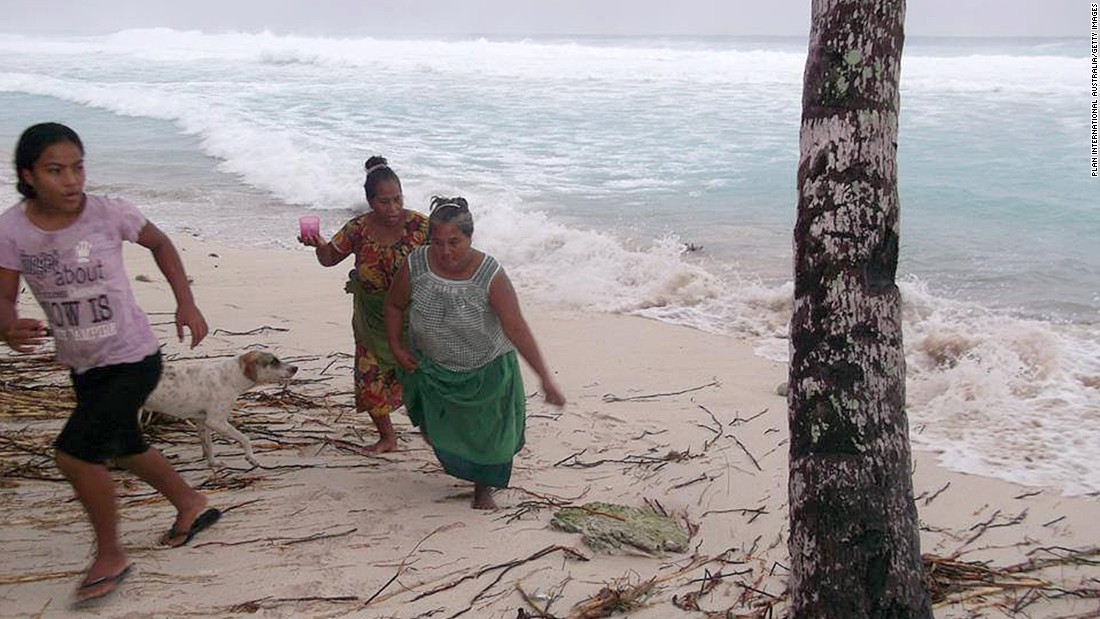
x=450, y=321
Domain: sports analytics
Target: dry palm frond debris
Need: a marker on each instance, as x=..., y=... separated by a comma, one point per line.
x=41, y=369
x=1011, y=591
x=951, y=581
x=33, y=387
x=281, y=398
x=618, y=597
x=36, y=398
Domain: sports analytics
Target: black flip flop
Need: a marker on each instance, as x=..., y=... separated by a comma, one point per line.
x=204, y=521
x=114, y=581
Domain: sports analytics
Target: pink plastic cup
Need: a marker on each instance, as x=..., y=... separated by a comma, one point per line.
x=309, y=225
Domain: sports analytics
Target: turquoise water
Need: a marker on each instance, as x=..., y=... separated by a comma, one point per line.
x=591, y=163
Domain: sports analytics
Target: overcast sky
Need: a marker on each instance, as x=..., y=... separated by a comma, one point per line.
x=518, y=17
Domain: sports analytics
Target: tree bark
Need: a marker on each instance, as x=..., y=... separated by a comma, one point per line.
x=854, y=542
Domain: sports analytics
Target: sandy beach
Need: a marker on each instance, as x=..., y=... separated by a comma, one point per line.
x=683, y=421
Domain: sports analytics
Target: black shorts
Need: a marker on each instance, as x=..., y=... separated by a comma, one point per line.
x=105, y=423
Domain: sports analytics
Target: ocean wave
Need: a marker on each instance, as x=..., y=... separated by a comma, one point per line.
x=968, y=69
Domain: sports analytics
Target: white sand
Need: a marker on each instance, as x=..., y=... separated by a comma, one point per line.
x=321, y=530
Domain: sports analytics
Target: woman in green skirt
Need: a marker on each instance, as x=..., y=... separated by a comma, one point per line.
x=460, y=377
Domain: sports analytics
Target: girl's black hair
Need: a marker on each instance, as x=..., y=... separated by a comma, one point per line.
x=451, y=210
x=34, y=141
x=378, y=171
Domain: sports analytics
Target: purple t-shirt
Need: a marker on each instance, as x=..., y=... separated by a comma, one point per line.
x=78, y=277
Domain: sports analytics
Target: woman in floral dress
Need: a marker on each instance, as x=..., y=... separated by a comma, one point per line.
x=381, y=239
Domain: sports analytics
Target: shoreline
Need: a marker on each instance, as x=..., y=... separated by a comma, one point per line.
x=657, y=415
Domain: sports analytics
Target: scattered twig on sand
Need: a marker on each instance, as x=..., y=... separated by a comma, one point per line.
x=656, y=506
x=610, y=397
x=1058, y=555
x=928, y=498
x=621, y=596
x=254, y=606
x=255, y=331
x=281, y=541
x=570, y=457
x=226, y=510
x=991, y=523
x=756, y=512
x=340, y=356
x=740, y=420
x=177, y=356
x=649, y=433
x=1055, y=521
x=550, y=416
x=19, y=579
x=505, y=567
x=537, y=503
x=574, y=460
x=540, y=613
x=685, y=484
x=320, y=536
x=690, y=600
x=747, y=453
x=544, y=612
x=717, y=429
x=405, y=560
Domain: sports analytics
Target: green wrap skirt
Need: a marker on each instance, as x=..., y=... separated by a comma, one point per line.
x=474, y=420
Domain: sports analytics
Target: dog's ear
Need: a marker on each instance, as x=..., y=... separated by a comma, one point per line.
x=250, y=365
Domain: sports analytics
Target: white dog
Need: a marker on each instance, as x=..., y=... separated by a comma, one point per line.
x=206, y=392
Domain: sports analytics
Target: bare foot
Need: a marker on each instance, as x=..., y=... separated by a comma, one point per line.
x=387, y=438
x=483, y=497
x=384, y=445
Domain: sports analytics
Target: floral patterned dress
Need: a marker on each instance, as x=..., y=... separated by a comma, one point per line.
x=377, y=390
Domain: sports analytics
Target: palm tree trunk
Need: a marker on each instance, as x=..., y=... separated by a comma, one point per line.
x=854, y=543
